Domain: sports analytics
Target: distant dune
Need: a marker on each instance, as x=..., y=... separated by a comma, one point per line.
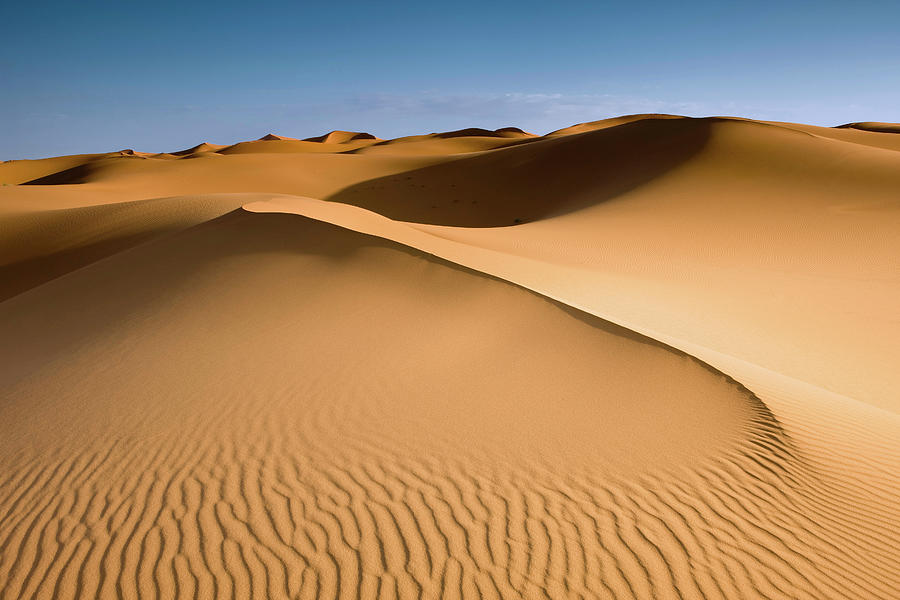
x=646, y=357
x=202, y=147
x=876, y=127
x=341, y=137
x=271, y=137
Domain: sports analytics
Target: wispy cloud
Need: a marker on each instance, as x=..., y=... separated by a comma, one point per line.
x=519, y=104
x=404, y=113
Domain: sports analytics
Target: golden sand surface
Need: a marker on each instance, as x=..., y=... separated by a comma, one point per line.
x=647, y=357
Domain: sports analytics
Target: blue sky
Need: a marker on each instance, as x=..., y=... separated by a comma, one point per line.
x=155, y=76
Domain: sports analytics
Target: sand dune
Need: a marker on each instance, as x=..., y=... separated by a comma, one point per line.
x=14, y=172
x=461, y=141
x=411, y=465
x=42, y=245
x=270, y=137
x=201, y=147
x=342, y=137
x=853, y=445
x=774, y=163
x=646, y=357
x=606, y=123
x=755, y=207
x=874, y=126
x=289, y=145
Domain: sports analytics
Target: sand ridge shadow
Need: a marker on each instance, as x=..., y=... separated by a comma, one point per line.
x=535, y=178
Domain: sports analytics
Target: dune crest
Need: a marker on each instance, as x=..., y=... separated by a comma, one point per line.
x=201, y=147
x=605, y=123
x=873, y=126
x=341, y=137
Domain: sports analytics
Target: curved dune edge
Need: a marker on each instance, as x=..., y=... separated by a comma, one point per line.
x=202, y=475
x=247, y=500
x=854, y=446
x=844, y=417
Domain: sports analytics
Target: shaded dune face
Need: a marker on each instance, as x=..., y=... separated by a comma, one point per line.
x=20, y=171
x=80, y=173
x=269, y=406
x=534, y=180
x=43, y=245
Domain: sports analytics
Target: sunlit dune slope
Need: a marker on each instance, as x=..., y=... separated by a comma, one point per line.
x=271, y=406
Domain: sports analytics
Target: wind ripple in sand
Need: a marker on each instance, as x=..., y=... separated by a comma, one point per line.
x=284, y=423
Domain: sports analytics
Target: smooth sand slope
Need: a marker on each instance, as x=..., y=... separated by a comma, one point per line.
x=647, y=357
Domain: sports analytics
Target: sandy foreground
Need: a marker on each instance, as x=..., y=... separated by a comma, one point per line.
x=647, y=357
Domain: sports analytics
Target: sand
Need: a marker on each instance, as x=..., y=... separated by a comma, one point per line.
x=648, y=357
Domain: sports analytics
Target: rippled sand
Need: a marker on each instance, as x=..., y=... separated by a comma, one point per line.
x=649, y=357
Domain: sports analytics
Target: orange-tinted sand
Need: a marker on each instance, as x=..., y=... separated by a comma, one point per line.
x=647, y=357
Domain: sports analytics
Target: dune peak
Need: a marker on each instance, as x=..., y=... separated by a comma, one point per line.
x=514, y=132
x=873, y=126
x=467, y=132
x=271, y=137
x=339, y=136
